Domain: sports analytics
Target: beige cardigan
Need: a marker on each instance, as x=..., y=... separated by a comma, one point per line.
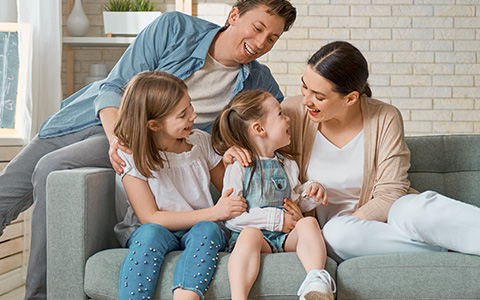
x=386, y=158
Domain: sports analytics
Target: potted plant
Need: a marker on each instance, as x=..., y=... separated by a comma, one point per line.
x=127, y=17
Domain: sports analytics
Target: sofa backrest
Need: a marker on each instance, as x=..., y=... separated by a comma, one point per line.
x=448, y=164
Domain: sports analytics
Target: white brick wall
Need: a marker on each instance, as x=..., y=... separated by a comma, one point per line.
x=424, y=54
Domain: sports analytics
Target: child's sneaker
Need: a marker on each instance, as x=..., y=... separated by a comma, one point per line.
x=318, y=285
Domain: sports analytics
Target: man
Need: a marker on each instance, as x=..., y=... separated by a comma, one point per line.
x=216, y=63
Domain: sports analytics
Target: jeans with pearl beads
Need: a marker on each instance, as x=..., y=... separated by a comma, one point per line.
x=148, y=246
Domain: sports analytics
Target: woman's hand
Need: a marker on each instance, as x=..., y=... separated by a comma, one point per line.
x=292, y=209
x=229, y=207
x=317, y=190
x=115, y=160
x=359, y=214
x=243, y=156
x=289, y=222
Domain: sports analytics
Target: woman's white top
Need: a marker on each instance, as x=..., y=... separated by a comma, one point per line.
x=340, y=170
x=183, y=184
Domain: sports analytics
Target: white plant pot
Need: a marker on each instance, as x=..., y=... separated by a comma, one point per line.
x=128, y=22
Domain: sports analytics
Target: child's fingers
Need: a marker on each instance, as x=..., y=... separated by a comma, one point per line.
x=325, y=199
x=319, y=196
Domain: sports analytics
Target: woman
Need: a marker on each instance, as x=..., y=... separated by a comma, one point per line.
x=355, y=146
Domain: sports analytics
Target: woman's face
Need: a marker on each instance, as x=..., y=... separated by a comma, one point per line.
x=322, y=102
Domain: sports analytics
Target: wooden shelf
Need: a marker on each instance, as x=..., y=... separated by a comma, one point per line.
x=69, y=42
x=97, y=41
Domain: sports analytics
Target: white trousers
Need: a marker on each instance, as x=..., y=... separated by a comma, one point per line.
x=423, y=222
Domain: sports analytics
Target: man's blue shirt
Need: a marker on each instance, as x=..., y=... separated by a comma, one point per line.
x=175, y=43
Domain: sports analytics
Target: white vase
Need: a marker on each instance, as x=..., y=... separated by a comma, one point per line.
x=77, y=22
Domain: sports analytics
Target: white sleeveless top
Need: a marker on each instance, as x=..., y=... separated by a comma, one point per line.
x=340, y=170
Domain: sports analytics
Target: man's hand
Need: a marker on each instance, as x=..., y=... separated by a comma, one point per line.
x=115, y=160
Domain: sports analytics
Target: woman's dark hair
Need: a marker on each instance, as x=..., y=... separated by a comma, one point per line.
x=343, y=65
x=281, y=8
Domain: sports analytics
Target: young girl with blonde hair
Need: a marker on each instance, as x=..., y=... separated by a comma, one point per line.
x=254, y=121
x=167, y=179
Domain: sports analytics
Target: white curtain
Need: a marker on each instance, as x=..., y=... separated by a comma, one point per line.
x=45, y=89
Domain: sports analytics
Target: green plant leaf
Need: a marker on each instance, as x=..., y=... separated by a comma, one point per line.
x=118, y=5
x=143, y=5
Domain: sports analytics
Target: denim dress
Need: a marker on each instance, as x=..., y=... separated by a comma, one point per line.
x=268, y=186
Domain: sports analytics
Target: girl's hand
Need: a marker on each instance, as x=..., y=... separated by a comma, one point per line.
x=292, y=209
x=229, y=207
x=317, y=190
x=243, y=156
x=289, y=222
x=115, y=160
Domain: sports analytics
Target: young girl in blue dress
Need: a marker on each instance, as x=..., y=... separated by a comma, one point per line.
x=254, y=121
x=167, y=179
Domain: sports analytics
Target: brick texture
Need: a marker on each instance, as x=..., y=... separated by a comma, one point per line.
x=423, y=54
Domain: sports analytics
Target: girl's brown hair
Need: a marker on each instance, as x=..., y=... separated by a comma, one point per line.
x=230, y=128
x=150, y=95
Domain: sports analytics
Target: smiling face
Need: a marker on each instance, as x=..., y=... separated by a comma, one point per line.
x=322, y=102
x=276, y=124
x=178, y=124
x=252, y=34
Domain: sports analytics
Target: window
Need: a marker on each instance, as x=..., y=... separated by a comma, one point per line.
x=15, y=117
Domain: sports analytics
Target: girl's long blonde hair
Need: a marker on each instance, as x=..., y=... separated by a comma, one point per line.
x=150, y=95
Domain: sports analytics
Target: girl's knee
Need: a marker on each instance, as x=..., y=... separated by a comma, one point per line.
x=308, y=222
x=152, y=235
x=208, y=231
x=207, y=227
x=250, y=235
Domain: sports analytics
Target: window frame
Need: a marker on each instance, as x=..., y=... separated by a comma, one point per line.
x=20, y=134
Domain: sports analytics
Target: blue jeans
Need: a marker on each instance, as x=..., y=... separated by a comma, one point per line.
x=151, y=242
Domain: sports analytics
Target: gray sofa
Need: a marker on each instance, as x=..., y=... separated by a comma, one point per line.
x=84, y=258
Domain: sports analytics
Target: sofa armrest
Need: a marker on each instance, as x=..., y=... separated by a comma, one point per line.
x=80, y=220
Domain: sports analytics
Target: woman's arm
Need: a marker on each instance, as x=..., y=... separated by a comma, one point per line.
x=388, y=178
x=146, y=210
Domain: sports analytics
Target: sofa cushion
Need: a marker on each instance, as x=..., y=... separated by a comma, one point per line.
x=410, y=276
x=448, y=164
x=280, y=276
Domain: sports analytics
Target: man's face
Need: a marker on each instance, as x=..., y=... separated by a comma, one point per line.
x=254, y=33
